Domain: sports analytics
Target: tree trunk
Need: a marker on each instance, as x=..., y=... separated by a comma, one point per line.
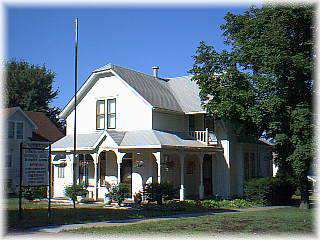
x=74, y=204
x=304, y=192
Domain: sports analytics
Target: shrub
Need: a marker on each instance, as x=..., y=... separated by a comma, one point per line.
x=72, y=193
x=137, y=198
x=235, y=203
x=119, y=192
x=256, y=189
x=31, y=193
x=159, y=191
x=281, y=191
x=270, y=191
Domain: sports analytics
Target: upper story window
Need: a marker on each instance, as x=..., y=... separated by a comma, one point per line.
x=19, y=130
x=15, y=130
x=11, y=129
x=111, y=114
x=100, y=114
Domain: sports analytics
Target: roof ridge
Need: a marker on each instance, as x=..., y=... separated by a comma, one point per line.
x=183, y=76
x=149, y=75
x=112, y=66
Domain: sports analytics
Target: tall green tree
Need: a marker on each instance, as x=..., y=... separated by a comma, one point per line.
x=263, y=84
x=30, y=87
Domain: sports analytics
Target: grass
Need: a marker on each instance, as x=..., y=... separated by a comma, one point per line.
x=35, y=214
x=285, y=220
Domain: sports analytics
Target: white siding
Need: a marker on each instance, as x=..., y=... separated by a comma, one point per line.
x=13, y=148
x=169, y=121
x=133, y=113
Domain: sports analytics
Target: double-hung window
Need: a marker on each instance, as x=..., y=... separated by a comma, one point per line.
x=100, y=114
x=111, y=113
x=19, y=130
x=11, y=129
x=15, y=130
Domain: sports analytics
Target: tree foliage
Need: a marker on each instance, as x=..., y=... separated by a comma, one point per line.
x=31, y=88
x=263, y=84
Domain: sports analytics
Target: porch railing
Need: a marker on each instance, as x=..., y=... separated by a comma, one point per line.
x=204, y=136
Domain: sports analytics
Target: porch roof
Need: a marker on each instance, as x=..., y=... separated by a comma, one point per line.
x=130, y=139
x=86, y=141
x=156, y=138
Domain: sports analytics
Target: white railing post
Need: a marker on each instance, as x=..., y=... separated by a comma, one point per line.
x=207, y=136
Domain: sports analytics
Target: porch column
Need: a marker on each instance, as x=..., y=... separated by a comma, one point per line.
x=119, y=162
x=182, y=156
x=201, y=187
x=158, y=157
x=95, y=161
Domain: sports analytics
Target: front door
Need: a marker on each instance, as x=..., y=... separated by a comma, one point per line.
x=126, y=171
x=207, y=174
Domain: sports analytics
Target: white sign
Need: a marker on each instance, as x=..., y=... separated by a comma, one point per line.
x=35, y=166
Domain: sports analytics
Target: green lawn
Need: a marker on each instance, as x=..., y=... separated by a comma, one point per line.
x=35, y=214
x=286, y=220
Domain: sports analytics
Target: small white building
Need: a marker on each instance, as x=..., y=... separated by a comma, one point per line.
x=137, y=128
x=28, y=128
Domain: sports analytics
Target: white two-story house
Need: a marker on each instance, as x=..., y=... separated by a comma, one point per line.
x=137, y=128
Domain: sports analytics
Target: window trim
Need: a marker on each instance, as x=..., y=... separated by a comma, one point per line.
x=104, y=114
x=115, y=113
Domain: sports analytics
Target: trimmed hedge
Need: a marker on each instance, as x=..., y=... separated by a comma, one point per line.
x=157, y=192
x=234, y=203
x=270, y=191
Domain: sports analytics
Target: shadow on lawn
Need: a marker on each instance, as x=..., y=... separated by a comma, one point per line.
x=67, y=215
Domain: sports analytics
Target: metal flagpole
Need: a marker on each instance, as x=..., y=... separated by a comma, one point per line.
x=75, y=106
x=50, y=179
x=20, y=181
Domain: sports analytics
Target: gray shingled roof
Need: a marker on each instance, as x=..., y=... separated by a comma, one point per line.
x=155, y=90
x=138, y=138
x=83, y=141
x=187, y=93
x=117, y=136
x=176, y=94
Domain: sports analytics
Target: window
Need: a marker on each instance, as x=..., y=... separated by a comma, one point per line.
x=60, y=172
x=100, y=114
x=111, y=118
x=11, y=129
x=9, y=161
x=19, y=130
x=191, y=123
x=249, y=165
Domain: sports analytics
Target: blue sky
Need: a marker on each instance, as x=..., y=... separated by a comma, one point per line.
x=137, y=38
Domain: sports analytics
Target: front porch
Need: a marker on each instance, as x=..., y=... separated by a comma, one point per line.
x=140, y=157
x=184, y=169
